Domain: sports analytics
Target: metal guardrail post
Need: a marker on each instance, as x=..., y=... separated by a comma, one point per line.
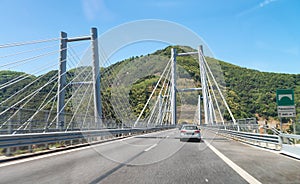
x=280, y=142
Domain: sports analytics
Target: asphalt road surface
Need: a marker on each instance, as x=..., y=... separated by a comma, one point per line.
x=156, y=158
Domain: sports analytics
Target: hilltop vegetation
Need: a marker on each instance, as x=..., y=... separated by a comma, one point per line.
x=249, y=92
x=255, y=91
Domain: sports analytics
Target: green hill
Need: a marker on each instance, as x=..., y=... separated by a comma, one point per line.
x=249, y=92
x=256, y=91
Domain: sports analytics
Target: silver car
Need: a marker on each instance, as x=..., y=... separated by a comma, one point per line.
x=190, y=132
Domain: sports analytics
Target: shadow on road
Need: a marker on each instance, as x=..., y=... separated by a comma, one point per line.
x=110, y=172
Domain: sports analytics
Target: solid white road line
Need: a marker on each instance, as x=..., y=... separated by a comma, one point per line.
x=154, y=145
x=250, y=179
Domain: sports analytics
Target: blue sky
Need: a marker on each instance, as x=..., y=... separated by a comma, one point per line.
x=257, y=34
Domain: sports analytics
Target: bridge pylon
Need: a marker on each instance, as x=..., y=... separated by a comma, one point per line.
x=62, y=77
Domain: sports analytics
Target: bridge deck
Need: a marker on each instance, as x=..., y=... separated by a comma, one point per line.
x=154, y=158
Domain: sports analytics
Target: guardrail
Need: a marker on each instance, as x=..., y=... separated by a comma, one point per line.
x=263, y=140
x=20, y=140
x=290, y=146
x=285, y=143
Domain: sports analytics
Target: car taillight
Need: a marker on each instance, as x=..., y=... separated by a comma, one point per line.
x=197, y=131
x=182, y=131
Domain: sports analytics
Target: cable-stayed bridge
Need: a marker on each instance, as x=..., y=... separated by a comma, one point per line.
x=75, y=95
x=69, y=95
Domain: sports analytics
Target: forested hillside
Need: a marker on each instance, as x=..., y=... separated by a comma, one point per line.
x=249, y=92
x=255, y=91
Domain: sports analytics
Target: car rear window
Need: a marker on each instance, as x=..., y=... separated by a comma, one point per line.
x=190, y=128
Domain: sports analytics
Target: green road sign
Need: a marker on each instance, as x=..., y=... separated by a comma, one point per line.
x=285, y=97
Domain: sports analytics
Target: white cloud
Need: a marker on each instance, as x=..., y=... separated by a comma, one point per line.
x=259, y=6
x=266, y=2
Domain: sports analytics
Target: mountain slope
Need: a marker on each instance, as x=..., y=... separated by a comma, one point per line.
x=249, y=92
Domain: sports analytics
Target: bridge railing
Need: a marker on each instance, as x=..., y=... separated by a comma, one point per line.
x=262, y=140
x=243, y=125
x=288, y=144
x=11, y=143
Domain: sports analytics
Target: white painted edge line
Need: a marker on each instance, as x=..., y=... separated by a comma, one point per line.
x=250, y=179
x=42, y=156
x=153, y=146
x=291, y=154
x=279, y=153
x=72, y=150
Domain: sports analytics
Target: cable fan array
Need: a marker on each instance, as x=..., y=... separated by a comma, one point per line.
x=29, y=89
x=28, y=86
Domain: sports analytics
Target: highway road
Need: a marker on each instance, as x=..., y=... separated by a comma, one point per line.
x=156, y=158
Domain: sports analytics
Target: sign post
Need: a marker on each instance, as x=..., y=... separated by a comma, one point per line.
x=285, y=104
